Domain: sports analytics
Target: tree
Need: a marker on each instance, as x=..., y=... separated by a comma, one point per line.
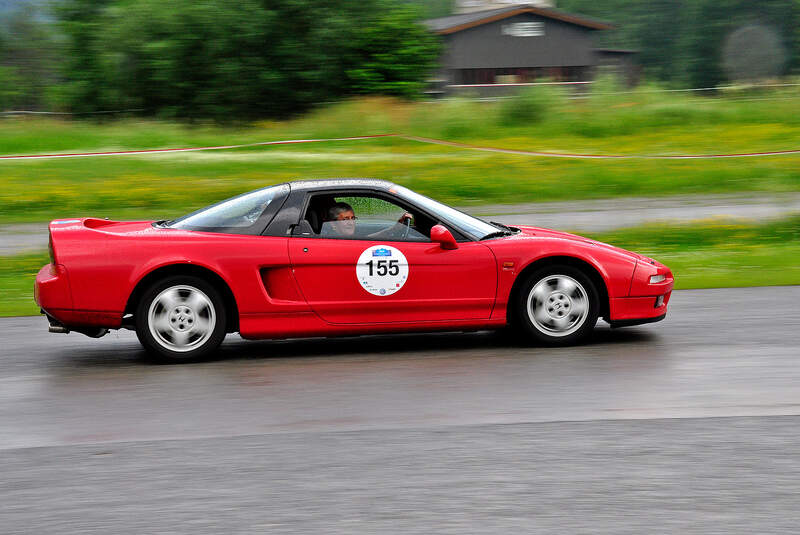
x=681, y=41
x=396, y=54
x=430, y=9
x=716, y=20
x=752, y=53
x=86, y=86
x=195, y=59
x=10, y=88
x=236, y=59
x=28, y=57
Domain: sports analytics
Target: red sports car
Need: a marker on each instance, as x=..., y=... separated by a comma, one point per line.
x=335, y=257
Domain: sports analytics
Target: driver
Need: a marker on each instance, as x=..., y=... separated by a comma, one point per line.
x=342, y=220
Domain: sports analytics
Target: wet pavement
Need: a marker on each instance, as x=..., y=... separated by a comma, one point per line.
x=685, y=426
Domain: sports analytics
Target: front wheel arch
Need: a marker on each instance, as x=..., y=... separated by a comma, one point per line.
x=585, y=267
x=193, y=271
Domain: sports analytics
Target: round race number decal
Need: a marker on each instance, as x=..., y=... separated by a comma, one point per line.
x=382, y=270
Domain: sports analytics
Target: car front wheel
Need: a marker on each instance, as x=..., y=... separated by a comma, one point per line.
x=181, y=319
x=557, y=306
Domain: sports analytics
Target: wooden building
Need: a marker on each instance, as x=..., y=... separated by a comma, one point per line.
x=493, y=51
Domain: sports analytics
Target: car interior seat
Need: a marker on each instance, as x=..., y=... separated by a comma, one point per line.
x=317, y=212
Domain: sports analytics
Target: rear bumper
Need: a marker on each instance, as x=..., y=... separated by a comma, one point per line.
x=52, y=293
x=51, y=290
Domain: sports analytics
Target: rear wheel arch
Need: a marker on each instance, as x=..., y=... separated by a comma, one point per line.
x=204, y=273
x=585, y=267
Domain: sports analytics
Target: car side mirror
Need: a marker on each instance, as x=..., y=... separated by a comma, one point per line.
x=442, y=236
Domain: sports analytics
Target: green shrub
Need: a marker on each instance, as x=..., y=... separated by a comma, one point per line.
x=530, y=107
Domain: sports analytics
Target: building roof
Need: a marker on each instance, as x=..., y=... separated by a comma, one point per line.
x=464, y=21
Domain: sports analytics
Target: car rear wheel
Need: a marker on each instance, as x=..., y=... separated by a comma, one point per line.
x=181, y=319
x=558, y=305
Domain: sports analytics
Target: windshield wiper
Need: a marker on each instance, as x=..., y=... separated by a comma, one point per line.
x=506, y=227
x=500, y=225
x=498, y=234
x=161, y=223
x=505, y=230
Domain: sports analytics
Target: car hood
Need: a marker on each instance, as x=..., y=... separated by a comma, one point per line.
x=528, y=232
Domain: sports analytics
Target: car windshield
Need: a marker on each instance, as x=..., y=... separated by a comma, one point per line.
x=239, y=212
x=473, y=226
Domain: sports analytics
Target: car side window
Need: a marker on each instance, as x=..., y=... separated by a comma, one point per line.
x=364, y=217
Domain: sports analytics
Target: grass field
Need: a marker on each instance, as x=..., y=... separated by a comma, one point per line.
x=701, y=255
x=720, y=254
x=17, y=274
x=168, y=185
x=643, y=122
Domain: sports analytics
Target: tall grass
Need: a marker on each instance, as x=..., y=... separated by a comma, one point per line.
x=539, y=115
x=532, y=106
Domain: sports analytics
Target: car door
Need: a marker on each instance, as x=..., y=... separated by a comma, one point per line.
x=364, y=278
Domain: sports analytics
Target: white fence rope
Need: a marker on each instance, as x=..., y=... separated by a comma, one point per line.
x=442, y=142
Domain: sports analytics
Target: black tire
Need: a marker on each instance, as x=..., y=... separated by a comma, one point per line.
x=556, y=305
x=181, y=319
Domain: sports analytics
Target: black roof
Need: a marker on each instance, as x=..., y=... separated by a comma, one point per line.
x=341, y=183
x=455, y=23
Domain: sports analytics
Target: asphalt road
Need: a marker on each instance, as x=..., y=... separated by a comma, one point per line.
x=609, y=214
x=690, y=425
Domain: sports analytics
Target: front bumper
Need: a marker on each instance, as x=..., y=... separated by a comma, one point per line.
x=640, y=321
x=647, y=301
x=636, y=310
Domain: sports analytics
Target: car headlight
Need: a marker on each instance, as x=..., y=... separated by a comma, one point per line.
x=655, y=279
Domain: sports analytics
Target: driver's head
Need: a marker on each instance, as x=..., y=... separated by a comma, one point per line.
x=342, y=218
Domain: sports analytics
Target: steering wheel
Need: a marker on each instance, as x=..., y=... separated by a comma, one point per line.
x=408, y=227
